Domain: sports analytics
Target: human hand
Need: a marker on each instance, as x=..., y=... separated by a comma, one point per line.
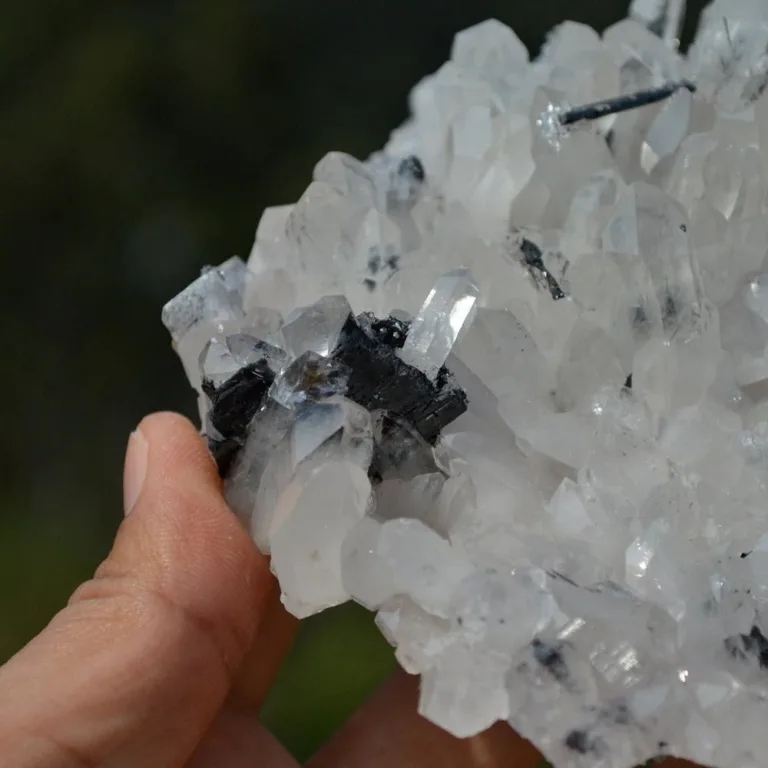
x=164, y=657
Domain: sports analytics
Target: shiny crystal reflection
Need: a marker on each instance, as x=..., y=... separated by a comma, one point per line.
x=505, y=383
x=436, y=327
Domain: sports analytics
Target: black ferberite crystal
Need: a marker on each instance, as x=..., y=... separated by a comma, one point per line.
x=233, y=405
x=532, y=258
x=376, y=378
x=380, y=380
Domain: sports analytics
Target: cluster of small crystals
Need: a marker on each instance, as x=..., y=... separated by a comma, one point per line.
x=506, y=384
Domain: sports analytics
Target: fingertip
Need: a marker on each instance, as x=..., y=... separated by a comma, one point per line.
x=178, y=444
x=168, y=421
x=181, y=539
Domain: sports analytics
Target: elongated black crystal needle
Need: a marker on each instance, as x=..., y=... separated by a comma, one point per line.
x=623, y=103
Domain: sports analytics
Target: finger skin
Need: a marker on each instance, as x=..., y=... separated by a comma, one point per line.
x=262, y=664
x=387, y=732
x=237, y=740
x=135, y=669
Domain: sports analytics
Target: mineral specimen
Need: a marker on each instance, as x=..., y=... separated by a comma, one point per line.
x=506, y=384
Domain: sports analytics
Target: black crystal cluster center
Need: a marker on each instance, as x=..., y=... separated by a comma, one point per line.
x=363, y=366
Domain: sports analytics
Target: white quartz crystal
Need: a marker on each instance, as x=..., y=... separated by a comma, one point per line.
x=210, y=308
x=434, y=331
x=505, y=383
x=316, y=328
x=312, y=517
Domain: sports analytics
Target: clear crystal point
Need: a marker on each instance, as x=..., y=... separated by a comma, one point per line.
x=449, y=308
x=209, y=308
x=217, y=363
x=664, y=17
x=216, y=298
x=316, y=328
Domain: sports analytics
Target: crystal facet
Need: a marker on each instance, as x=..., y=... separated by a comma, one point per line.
x=447, y=310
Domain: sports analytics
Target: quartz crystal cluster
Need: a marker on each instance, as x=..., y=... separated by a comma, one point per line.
x=505, y=383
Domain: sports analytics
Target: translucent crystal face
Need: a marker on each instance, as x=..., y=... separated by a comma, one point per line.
x=505, y=384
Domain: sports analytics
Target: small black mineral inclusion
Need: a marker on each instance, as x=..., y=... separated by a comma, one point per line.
x=532, y=258
x=380, y=263
x=640, y=321
x=618, y=712
x=392, y=262
x=754, y=645
x=669, y=309
x=628, y=382
x=412, y=168
x=407, y=179
x=374, y=261
x=563, y=577
x=579, y=741
x=550, y=656
x=391, y=331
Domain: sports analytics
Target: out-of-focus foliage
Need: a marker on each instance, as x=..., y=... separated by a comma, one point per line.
x=140, y=140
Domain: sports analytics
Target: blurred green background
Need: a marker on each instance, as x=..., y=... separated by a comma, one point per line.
x=139, y=141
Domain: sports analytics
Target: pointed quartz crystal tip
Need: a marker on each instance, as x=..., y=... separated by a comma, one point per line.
x=266, y=432
x=449, y=307
x=335, y=429
x=491, y=50
x=214, y=298
x=334, y=417
x=316, y=328
x=663, y=17
x=217, y=364
x=247, y=349
x=220, y=360
x=211, y=307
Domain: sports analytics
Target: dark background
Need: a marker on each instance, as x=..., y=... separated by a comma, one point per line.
x=139, y=141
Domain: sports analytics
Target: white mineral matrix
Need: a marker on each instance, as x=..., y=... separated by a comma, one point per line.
x=506, y=384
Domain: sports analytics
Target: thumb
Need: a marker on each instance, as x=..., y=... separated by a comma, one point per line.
x=136, y=667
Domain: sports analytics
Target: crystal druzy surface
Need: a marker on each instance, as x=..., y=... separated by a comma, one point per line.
x=506, y=384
